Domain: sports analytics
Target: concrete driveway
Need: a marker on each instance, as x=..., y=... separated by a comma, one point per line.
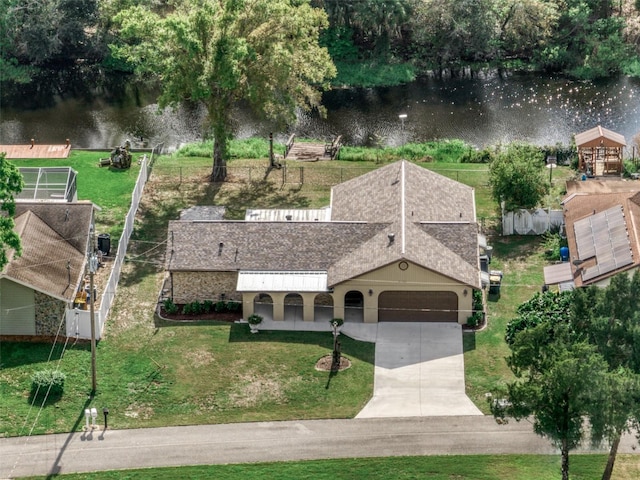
x=419, y=372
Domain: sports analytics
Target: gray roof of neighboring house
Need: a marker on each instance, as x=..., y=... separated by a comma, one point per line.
x=431, y=219
x=54, y=238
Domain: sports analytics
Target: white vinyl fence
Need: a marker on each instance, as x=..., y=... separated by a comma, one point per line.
x=79, y=321
x=531, y=222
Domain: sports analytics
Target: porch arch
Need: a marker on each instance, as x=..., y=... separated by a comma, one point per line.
x=263, y=305
x=323, y=307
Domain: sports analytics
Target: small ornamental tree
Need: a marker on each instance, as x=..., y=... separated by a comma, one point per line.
x=517, y=177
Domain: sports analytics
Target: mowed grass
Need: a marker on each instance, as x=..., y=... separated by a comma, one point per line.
x=521, y=259
x=470, y=467
x=109, y=188
x=152, y=373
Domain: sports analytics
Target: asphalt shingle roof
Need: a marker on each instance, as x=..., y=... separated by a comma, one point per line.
x=54, y=241
x=366, y=212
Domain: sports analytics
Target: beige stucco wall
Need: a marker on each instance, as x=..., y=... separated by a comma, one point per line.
x=384, y=279
x=393, y=278
x=200, y=286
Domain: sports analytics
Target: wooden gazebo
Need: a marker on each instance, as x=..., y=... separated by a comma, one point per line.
x=600, y=152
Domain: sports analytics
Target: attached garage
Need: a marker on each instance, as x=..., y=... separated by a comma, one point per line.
x=407, y=306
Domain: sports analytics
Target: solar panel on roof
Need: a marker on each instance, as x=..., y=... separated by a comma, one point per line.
x=603, y=235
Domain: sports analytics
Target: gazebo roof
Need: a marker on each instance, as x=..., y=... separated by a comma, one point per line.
x=599, y=136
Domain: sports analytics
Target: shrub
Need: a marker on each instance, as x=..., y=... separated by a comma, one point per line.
x=207, y=306
x=552, y=243
x=254, y=319
x=337, y=322
x=220, y=306
x=477, y=156
x=475, y=319
x=478, y=310
x=233, y=306
x=196, y=308
x=169, y=306
x=629, y=168
x=193, y=308
x=47, y=381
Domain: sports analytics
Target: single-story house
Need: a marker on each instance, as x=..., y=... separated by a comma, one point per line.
x=602, y=218
x=399, y=243
x=38, y=287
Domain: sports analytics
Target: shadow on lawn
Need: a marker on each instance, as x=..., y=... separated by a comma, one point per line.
x=468, y=341
x=164, y=199
x=14, y=354
x=365, y=351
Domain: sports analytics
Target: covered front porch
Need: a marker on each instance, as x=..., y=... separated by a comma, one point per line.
x=305, y=307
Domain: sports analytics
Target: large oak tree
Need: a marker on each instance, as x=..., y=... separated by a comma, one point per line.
x=218, y=52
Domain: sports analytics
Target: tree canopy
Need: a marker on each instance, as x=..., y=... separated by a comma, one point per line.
x=50, y=42
x=553, y=337
x=10, y=185
x=263, y=52
x=610, y=320
x=517, y=177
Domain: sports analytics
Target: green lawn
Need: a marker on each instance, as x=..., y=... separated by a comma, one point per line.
x=109, y=188
x=150, y=373
x=521, y=260
x=205, y=373
x=470, y=467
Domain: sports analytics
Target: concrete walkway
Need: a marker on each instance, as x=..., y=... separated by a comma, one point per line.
x=419, y=372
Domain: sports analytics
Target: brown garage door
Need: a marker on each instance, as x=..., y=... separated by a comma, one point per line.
x=418, y=307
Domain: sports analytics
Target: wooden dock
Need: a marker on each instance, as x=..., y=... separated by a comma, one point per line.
x=312, y=152
x=21, y=152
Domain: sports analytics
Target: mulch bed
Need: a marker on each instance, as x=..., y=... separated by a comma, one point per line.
x=221, y=317
x=325, y=363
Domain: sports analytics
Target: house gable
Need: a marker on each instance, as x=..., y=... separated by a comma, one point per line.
x=54, y=239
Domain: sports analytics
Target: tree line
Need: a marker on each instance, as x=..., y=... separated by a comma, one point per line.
x=67, y=40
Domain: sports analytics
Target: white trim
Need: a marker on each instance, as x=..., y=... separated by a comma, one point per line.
x=281, y=281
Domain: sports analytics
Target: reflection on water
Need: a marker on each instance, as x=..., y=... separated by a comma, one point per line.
x=481, y=111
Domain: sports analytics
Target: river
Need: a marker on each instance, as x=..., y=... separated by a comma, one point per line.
x=481, y=111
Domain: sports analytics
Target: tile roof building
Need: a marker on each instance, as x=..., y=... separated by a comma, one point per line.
x=397, y=243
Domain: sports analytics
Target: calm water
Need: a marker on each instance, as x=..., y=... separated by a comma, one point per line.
x=481, y=111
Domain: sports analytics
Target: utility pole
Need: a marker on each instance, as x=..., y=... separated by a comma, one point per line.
x=93, y=266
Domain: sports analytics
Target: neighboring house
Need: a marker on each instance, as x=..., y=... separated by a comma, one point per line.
x=601, y=223
x=600, y=152
x=396, y=244
x=40, y=286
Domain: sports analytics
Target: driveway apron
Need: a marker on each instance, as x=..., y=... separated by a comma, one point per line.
x=419, y=372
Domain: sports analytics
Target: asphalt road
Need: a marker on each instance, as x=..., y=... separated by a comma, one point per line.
x=269, y=441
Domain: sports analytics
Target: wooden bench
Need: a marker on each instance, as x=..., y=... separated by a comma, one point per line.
x=332, y=149
x=289, y=145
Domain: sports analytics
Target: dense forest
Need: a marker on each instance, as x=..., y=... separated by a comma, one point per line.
x=56, y=46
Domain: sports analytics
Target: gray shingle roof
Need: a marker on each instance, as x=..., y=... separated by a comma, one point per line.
x=54, y=241
x=377, y=196
x=364, y=212
x=275, y=246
